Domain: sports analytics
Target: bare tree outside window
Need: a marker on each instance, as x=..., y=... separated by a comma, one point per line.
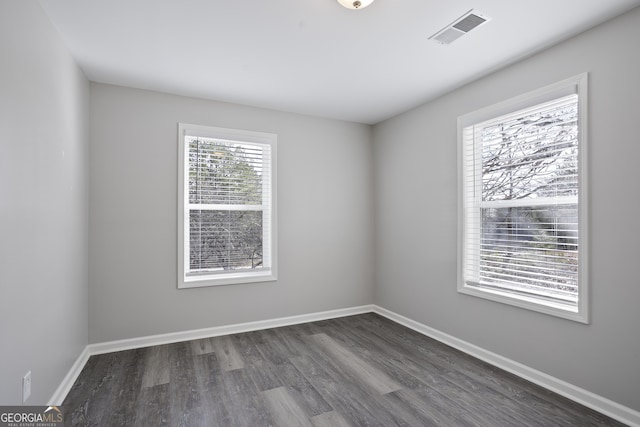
x=522, y=235
x=528, y=203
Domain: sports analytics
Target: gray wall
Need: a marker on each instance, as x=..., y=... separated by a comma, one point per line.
x=325, y=201
x=415, y=205
x=43, y=204
x=326, y=214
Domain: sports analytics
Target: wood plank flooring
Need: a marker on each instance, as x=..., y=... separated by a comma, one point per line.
x=360, y=370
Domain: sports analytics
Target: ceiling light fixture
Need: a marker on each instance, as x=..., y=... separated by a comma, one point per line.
x=355, y=4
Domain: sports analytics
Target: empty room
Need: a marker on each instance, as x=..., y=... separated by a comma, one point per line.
x=319, y=213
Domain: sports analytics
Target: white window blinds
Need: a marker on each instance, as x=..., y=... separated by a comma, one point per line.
x=520, y=189
x=227, y=212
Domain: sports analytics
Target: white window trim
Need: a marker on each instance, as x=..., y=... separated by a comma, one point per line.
x=579, y=85
x=233, y=277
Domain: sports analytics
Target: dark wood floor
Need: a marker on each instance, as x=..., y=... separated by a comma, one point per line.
x=354, y=371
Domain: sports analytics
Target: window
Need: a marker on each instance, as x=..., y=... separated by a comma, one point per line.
x=522, y=201
x=226, y=199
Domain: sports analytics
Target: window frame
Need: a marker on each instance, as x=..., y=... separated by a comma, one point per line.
x=266, y=274
x=573, y=85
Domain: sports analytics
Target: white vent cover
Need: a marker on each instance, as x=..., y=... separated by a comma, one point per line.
x=461, y=26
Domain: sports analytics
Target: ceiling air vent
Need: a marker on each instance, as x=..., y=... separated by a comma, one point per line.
x=461, y=26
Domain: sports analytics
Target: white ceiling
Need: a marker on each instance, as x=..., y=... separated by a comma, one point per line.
x=310, y=56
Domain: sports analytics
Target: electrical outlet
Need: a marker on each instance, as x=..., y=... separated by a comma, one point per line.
x=26, y=386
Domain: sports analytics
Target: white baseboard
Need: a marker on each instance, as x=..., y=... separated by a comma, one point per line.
x=66, y=384
x=128, y=344
x=112, y=346
x=603, y=405
x=584, y=397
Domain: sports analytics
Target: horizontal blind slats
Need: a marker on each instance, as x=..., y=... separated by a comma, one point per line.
x=229, y=203
x=520, y=187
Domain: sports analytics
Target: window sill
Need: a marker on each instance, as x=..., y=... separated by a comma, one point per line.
x=529, y=303
x=226, y=279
